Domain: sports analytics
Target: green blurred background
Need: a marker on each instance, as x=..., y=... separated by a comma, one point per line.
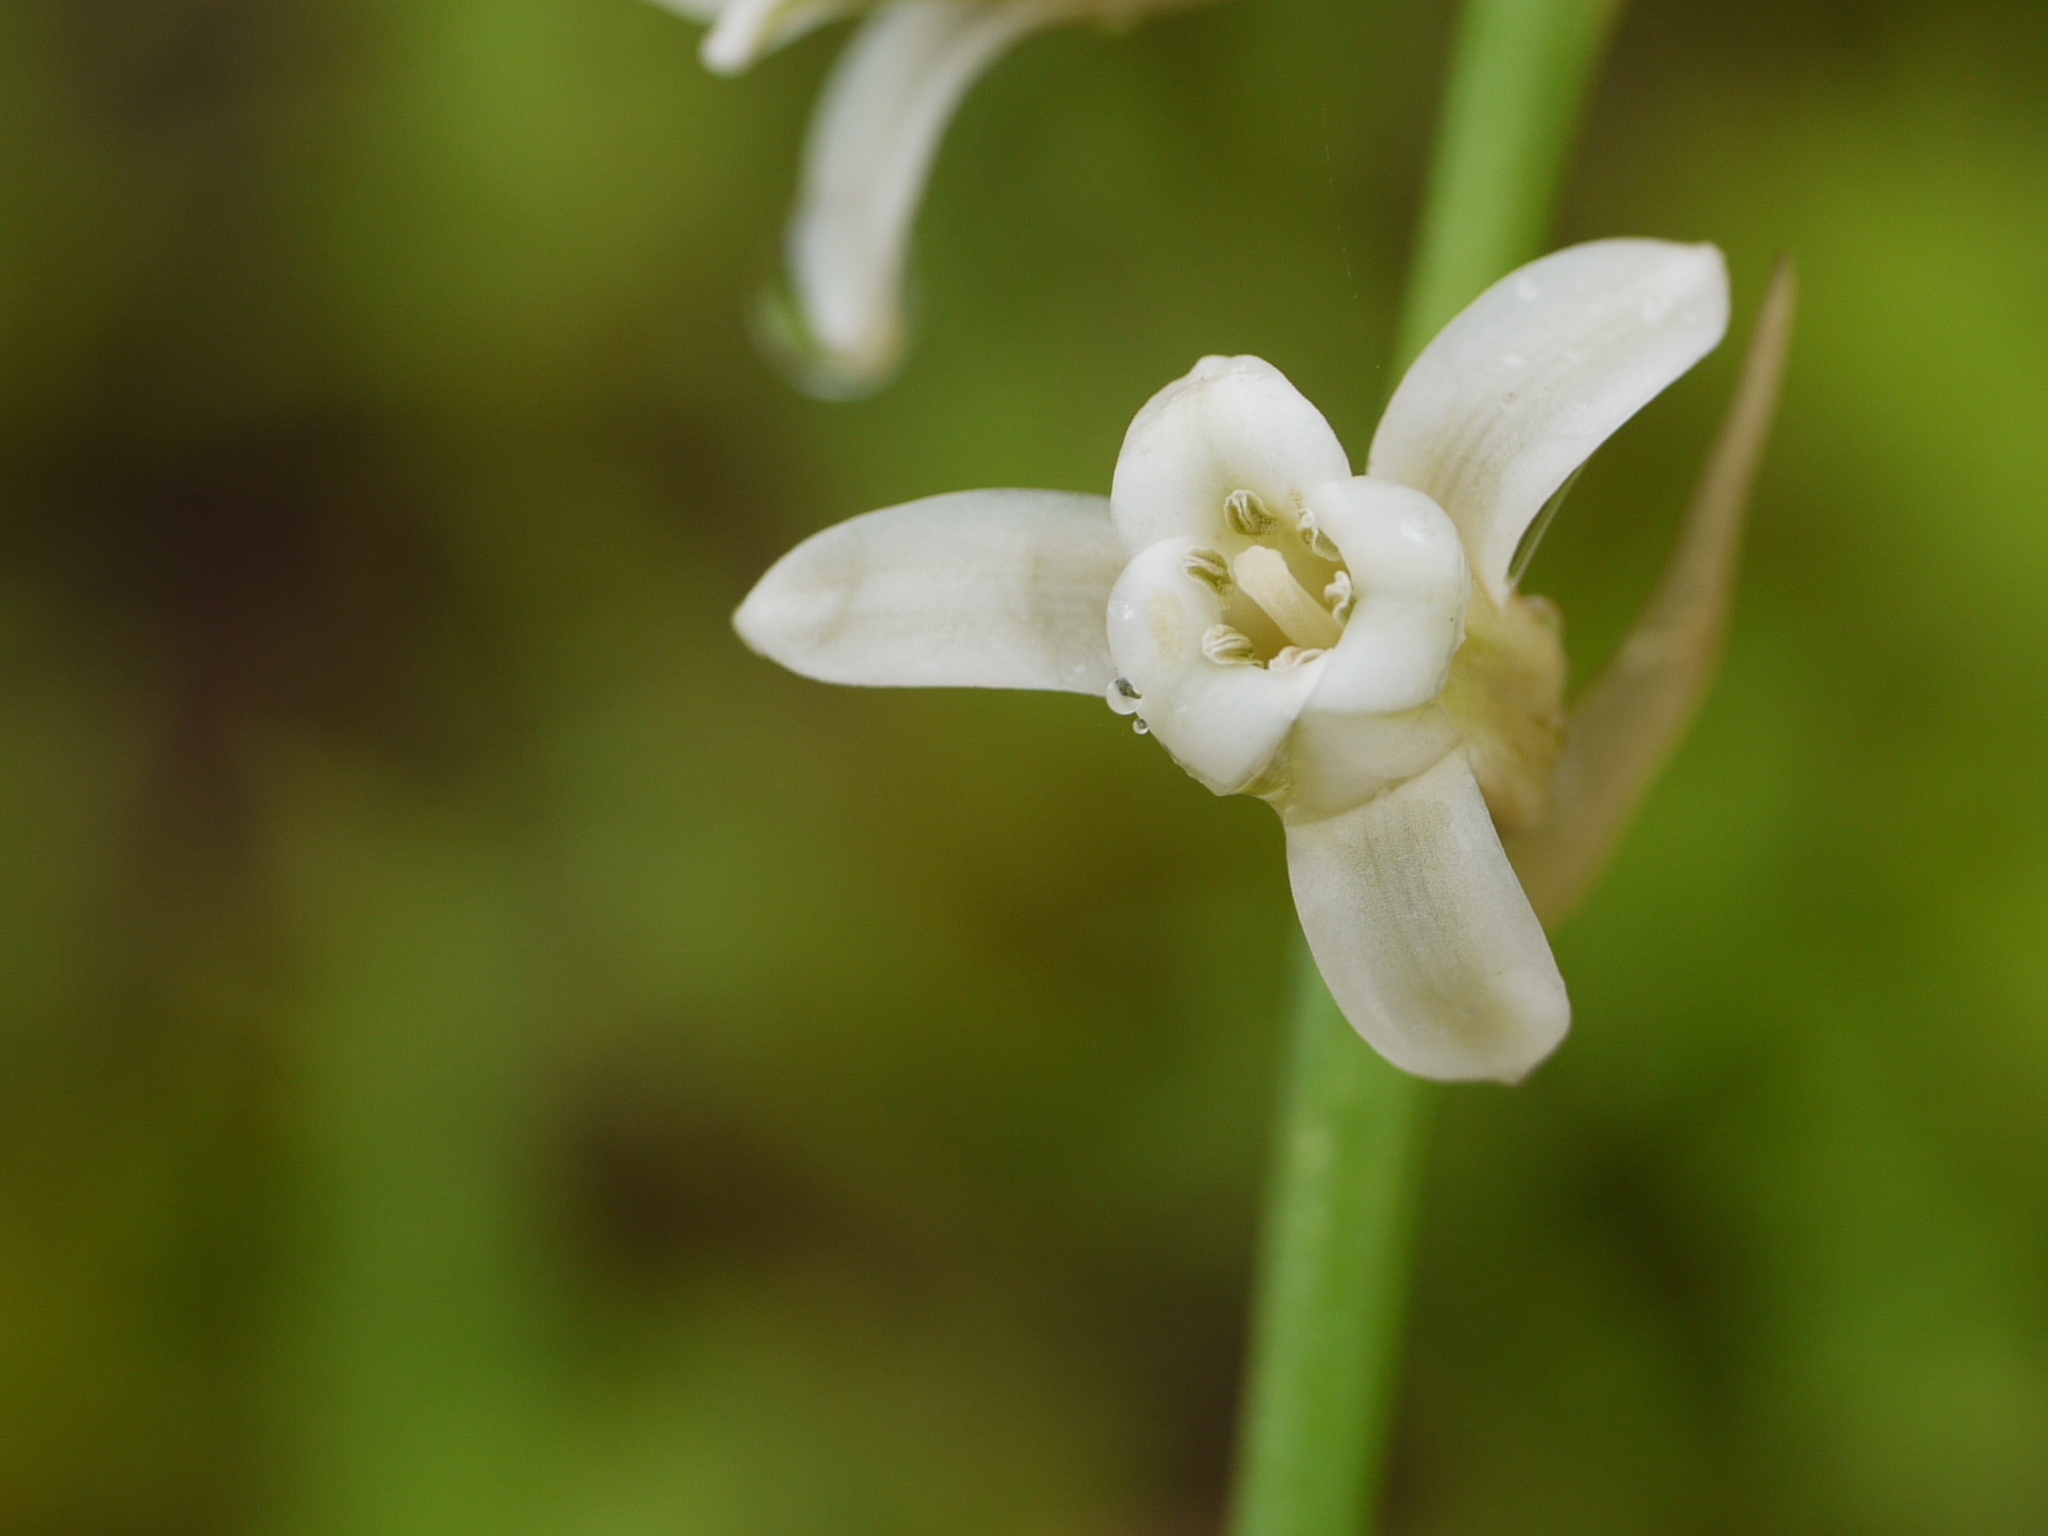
x=482, y=1053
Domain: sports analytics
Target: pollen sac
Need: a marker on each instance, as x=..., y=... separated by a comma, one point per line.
x=1228, y=647
x=1319, y=542
x=1244, y=513
x=1209, y=565
x=1339, y=597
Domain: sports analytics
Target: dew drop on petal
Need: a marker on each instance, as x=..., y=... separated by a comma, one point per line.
x=1141, y=727
x=1122, y=697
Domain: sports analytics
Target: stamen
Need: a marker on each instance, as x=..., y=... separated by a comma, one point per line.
x=1210, y=566
x=1290, y=657
x=1318, y=541
x=1339, y=597
x=1228, y=647
x=1267, y=581
x=1244, y=513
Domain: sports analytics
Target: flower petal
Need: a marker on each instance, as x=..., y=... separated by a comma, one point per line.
x=1233, y=423
x=1336, y=762
x=870, y=150
x=1222, y=723
x=979, y=589
x=1632, y=717
x=1423, y=935
x=1410, y=583
x=745, y=31
x=1539, y=371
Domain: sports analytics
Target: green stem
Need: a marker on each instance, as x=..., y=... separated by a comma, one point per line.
x=1326, y=1331
x=1331, y=1300
x=1519, y=75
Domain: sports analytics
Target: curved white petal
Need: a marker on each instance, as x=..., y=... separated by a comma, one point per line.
x=1423, y=935
x=1409, y=582
x=1539, y=371
x=745, y=31
x=1335, y=762
x=1632, y=717
x=979, y=589
x=1221, y=723
x=870, y=150
x=1233, y=423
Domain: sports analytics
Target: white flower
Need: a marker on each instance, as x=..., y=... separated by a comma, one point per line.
x=871, y=147
x=1349, y=648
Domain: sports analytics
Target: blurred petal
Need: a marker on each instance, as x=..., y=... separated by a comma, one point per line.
x=1631, y=718
x=1423, y=934
x=745, y=31
x=1233, y=423
x=871, y=147
x=1539, y=371
x=979, y=589
x=694, y=10
x=1222, y=723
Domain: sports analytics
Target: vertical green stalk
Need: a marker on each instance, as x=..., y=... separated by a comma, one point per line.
x=1333, y=1279
x=1519, y=75
x=1332, y=1291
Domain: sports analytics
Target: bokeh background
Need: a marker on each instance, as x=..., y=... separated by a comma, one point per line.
x=479, y=1052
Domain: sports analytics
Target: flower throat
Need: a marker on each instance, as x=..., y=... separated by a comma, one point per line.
x=1271, y=616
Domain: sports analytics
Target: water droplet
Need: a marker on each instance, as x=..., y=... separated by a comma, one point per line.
x=1141, y=728
x=1122, y=697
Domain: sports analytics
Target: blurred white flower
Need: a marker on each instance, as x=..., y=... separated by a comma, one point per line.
x=870, y=150
x=1349, y=648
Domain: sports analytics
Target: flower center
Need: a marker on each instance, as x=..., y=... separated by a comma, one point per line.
x=1271, y=615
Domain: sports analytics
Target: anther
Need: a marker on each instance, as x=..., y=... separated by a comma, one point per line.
x=1244, y=513
x=1266, y=580
x=1228, y=647
x=1318, y=541
x=1292, y=656
x=1338, y=596
x=1208, y=565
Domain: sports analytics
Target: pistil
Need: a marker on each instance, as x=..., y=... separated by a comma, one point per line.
x=1263, y=576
